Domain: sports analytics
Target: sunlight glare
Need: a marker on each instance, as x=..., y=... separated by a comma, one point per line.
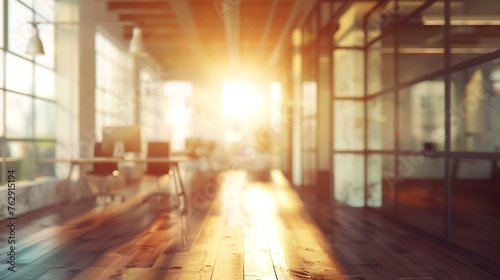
x=239, y=98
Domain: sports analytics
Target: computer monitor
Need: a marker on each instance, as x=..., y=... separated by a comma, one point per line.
x=130, y=136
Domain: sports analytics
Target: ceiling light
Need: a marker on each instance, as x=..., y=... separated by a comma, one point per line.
x=35, y=46
x=462, y=20
x=136, y=44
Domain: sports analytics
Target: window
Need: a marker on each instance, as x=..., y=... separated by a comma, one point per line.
x=114, y=94
x=19, y=76
x=27, y=93
x=178, y=112
x=152, y=107
x=19, y=30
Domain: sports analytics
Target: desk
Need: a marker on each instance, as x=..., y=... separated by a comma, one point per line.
x=172, y=161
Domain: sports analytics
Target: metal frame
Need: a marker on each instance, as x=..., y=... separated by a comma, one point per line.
x=33, y=141
x=391, y=29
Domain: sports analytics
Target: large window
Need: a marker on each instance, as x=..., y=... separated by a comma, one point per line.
x=153, y=106
x=178, y=111
x=115, y=94
x=27, y=92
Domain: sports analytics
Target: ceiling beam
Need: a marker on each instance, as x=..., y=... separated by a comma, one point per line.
x=230, y=12
x=159, y=47
x=157, y=27
x=277, y=21
x=156, y=33
x=163, y=17
x=139, y=5
x=185, y=19
x=259, y=13
x=300, y=11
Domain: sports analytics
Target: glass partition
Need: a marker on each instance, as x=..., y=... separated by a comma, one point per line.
x=348, y=73
x=420, y=192
x=381, y=182
x=349, y=179
x=474, y=29
x=476, y=192
x=381, y=122
x=475, y=108
x=349, y=125
x=421, y=116
x=380, y=65
x=420, y=46
x=390, y=114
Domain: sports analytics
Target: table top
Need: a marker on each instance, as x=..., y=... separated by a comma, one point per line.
x=174, y=159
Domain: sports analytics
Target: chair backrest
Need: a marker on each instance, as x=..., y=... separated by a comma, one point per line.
x=206, y=147
x=158, y=149
x=104, y=168
x=192, y=146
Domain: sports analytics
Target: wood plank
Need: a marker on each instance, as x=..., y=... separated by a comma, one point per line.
x=257, y=258
x=252, y=230
x=229, y=260
x=90, y=273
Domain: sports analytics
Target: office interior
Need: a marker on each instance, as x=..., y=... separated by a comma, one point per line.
x=387, y=107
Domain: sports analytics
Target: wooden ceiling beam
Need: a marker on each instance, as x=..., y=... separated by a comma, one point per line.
x=139, y=5
x=163, y=17
x=174, y=57
x=257, y=30
x=159, y=32
x=262, y=14
x=246, y=22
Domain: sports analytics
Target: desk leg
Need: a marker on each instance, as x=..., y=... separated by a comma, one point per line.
x=184, y=211
x=65, y=191
x=181, y=185
x=81, y=171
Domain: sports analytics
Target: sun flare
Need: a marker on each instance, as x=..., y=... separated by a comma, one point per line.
x=239, y=99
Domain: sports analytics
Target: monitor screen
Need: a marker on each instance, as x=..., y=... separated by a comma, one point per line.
x=130, y=136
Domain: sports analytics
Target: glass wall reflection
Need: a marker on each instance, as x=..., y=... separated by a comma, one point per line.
x=381, y=182
x=349, y=125
x=422, y=116
x=381, y=122
x=475, y=108
x=420, y=45
x=392, y=118
x=348, y=179
x=421, y=192
x=476, y=193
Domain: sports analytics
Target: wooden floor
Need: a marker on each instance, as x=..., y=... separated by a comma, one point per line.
x=248, y=230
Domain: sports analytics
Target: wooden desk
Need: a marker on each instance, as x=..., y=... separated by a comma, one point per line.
x=172, y=161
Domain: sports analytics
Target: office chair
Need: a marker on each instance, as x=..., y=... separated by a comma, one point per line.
x=174, y=202
x=103, y=170
x=207, y=148
x=193, y=146
x=158, y=170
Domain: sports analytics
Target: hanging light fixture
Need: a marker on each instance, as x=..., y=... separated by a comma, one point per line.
x=136, y=44
x=35, y=46
x=136, y=47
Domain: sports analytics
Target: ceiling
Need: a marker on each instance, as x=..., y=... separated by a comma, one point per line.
x=193, y=37
x=196, y=38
